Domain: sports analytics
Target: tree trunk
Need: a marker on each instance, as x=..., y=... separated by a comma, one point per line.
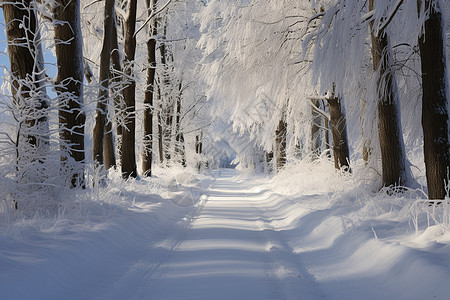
x=103, y=93
x=315, y=131
x=168, y=110
x=109, y=156
x=27, y=82
x=160, y=133
x=116, y=74
x=326, y=131
x=367, y=145
x=168, y=133
x=389, y=127
x=147, y=156
x=179, y=138
x=339, y=133
x=280, y=143
x=269, y=161
x=128, y=134
x=198, y=148
x=69, y=87
x=434, y=100
x=108, y=143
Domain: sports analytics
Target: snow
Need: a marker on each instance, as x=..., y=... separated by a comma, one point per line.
x=227, y=235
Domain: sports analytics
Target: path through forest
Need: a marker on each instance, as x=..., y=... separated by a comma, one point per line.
x=239, y=236
x=231, y=251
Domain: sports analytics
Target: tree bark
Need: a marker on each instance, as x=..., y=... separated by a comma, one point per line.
x=367, y=144
x=315, y=131
x=280, y=143
x=103, y=93
x=434, y=100
x=326, y=133
x=198, y=148
x=168, y=133
x=179, y=138
x=147, y=156
x=116, y=74
x=160, y=132
x=128, y=135
x=69, y=87
x=167, y=103
x=109, y=156
x=389, y=127
x=27, y=81
x=339, y=133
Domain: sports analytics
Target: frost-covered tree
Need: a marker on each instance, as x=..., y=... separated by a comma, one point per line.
x=393, y=157
x=339, y=56
x=30, y=101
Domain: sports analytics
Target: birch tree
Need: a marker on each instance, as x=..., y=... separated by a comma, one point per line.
x=27, y=83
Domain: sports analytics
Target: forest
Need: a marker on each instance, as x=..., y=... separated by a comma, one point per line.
x=321, y=125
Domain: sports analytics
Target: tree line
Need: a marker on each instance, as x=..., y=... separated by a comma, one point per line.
x=82, y=42
x=308, y=61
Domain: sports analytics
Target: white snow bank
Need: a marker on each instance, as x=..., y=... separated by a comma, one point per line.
x=106, y=235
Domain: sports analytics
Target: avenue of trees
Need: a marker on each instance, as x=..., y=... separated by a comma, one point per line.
x=140, y=83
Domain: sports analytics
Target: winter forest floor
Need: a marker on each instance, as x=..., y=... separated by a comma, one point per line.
x=227, y=235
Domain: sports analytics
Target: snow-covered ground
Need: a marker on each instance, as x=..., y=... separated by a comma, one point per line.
x=229, y=235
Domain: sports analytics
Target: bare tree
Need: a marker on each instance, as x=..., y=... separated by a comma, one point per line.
x=434, y=99
x=69, y=86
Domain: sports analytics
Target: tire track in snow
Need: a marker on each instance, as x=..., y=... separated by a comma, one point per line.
x=232, y=251
x=222, y=255
x=285, y=270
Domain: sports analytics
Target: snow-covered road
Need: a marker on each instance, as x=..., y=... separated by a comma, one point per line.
x=231, y=251
x=227, y=236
